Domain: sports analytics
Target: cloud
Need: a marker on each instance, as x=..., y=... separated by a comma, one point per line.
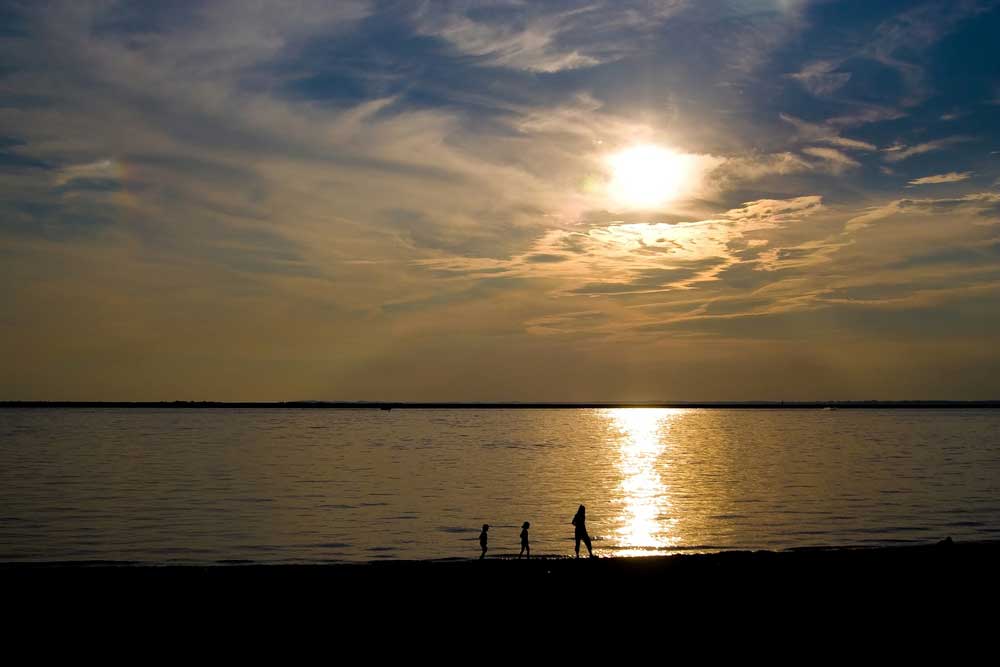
x=950, y=177
x=911, y=31
x=104, y=169
x=776, y=211
x=897, y=44
x=543, y=38
x=837, y=160
x=653, y=279
x=820, y=79
x=628, y=260
x=567, y=323
x=545, y=258
x=825, y=134
x=853, y=144
x=531, y=48
x=974, y=205
x=739, y=169
x=735, y=171
x=900, y=152
x=867, y=113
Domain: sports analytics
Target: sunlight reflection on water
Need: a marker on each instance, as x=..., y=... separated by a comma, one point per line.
x=644, y=523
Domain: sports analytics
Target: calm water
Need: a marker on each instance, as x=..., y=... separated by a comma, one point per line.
x=320, y=485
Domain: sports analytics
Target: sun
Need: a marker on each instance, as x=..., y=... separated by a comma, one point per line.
x=648, y=176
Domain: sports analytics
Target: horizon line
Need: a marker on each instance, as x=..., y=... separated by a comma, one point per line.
x=423, y=405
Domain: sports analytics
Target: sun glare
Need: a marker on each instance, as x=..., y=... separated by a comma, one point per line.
x=647, y=176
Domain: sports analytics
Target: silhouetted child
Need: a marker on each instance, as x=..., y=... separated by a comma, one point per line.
x=482, y=540
x=524, y=539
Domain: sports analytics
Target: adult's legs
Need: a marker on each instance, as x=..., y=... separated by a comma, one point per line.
x=586, y=540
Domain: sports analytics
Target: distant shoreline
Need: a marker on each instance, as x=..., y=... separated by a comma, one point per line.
x=394, y=405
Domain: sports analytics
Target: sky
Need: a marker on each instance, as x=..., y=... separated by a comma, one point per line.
x=499, y=200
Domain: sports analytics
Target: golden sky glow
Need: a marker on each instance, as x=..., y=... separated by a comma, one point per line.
x=624, y=200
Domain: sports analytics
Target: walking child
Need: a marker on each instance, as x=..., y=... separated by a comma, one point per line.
x=482, y=540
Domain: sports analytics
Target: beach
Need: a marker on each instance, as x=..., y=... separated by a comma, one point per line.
x=939, y=567
x=874, y=603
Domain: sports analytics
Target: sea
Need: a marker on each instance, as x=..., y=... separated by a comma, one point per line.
x=271, y=485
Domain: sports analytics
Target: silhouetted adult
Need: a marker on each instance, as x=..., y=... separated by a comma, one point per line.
x=483, y=538
x=580, y=521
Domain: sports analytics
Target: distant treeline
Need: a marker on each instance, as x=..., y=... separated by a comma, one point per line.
x=375, y=405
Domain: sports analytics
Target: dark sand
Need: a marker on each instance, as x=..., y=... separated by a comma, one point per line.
x=867, y=605
x=955, y=566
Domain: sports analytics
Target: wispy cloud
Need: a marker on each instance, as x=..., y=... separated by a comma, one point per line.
x=897, y=43
x=531, y=48
x=105, y=169
x=950, y=177
x=838, y=161
x=543, y=38
x=975, y=206
x=900, y=152
x=622, y=259
x=748, y=168
x=866, y=113
x=918, y=28
x=813, y=132
x=821, y=78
